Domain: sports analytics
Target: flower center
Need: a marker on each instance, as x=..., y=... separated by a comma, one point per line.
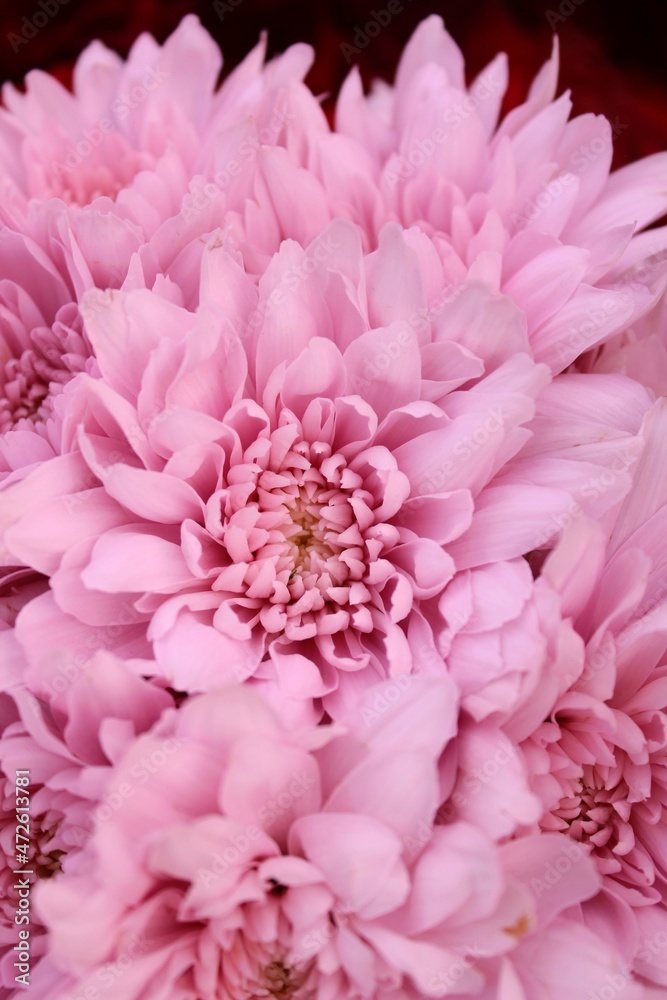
x=304, y=532
x=280, y=980
x=307, y=542
x=46, y=862
x=297, y=523
x=42, y=857
x=29, y=382
x=25, y=391
x=251, y=971
x=593, y=813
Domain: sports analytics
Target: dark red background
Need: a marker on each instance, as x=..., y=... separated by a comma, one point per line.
x=613, y=56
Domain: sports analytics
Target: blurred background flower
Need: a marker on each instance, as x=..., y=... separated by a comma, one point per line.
x=612, y=55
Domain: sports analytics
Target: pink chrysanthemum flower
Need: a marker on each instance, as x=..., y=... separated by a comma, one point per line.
x=130, y=137
x=526, y=204
x=288, y=405
x=112, y=159
x=146, y=146
x=109, y=165
x=259, y=862
x=42, y=347
x=124, y=148
x=286, y=478
x=599, y=761
x=65, y=749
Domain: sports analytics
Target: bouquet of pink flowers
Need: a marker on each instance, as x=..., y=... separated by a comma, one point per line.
x=333, y=536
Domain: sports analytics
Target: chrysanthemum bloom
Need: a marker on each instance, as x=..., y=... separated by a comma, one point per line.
x=261, y=862
x=114, y=156
x=107, y=166
x=598, y=762
x=284, y=480
x=42, y=347
x=504, y=636
x=150, y=148
x=62, y=751
x=121, y=150
x=111, y=165
x=527, y=204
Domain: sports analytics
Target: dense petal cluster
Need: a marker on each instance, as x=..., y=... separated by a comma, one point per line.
x=55, y=764
x=598, y=760
x=296, y=504
x=297, y=866
x=333, y=521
